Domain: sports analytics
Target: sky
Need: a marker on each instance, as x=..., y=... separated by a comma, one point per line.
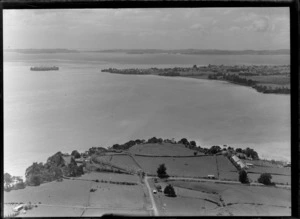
x=181, y=28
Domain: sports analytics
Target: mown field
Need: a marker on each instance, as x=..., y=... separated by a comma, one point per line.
x=67, y=192
x=164, y=149
x=69, y=197
x=124, y=161
x=112, y=196
x=188, y=167
x=226, y=169
x=273, y=170
x=110, y=176
x=244, y=200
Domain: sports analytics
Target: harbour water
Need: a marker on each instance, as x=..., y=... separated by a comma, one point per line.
x=79, y=106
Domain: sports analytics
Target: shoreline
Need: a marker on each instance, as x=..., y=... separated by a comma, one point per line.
x=264, y=79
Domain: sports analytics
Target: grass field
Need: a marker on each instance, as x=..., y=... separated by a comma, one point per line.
x=226, y=169
x=188, y=167
x=273, y=170
x=67, y=192
x=69, y=197
x=124, y=161
x=117, y=196
x=245, y=200
x=110, y=176
x=164, y=149
x=278, y=179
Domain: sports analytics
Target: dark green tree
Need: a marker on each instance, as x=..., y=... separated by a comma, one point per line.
x=162, y=171
x=170, y=191
x=243, y=176
x=265, y=178
x=75, y=154
x=193, y=143
x=35, y=180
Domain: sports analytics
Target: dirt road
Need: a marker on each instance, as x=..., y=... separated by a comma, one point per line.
x=151, y=196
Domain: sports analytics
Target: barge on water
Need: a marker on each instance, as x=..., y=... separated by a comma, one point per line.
x=44, y=68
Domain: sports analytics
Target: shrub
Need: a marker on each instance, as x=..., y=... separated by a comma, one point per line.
x=243, y=176
x=265, y=178
x=170, y=191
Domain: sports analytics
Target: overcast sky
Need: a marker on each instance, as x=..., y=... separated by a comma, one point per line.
x=202, y=28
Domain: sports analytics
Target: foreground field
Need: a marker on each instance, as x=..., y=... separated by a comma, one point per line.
x=164, y=149
x=239, y=200
x=74, y=197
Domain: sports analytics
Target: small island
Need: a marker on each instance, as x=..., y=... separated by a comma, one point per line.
x=151, y=177
x=44, y=68
x=263, y=78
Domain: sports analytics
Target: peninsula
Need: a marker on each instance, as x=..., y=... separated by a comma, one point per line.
x=263, y=78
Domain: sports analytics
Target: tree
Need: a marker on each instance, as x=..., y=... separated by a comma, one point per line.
x=75, y=154
x=170, y=191
x=243, y=176
x=35, y=180
x=193, y=143
x=239, y=150
x=214, y=149
x=184, y=141
x=265, y=178
x=161, y=171
x=7, y=179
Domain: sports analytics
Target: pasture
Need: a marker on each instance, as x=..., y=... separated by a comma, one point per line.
x=180, y=166
x=247, y=197
x=278, y=179
x=227, y=171
x=164, y=149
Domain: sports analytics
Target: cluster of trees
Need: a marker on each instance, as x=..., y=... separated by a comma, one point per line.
x=169, y=74
x=249, y=152
x=53, y=169
x=239, y=80
x=277, y=90
x=12, y=182
x=94, y=150
x=233, y=78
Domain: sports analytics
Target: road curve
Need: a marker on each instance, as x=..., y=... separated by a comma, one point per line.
x=151, y=196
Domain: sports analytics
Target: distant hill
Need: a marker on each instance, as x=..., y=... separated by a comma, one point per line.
x=199, y=51
x=40, y=51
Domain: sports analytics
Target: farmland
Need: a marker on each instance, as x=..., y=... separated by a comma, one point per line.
x=180, y=166
x=165, y=149
x=124, y=161
x=226, y=169
x=126, y=183
x=278, y=179
x=240, y=200
x=74, y=198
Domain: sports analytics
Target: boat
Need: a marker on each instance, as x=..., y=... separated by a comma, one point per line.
x=45, y=68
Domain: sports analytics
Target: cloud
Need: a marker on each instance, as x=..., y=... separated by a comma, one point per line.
x=197, y=27
x=261, y=24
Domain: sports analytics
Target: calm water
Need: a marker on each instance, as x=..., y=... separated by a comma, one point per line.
x=79, y=107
